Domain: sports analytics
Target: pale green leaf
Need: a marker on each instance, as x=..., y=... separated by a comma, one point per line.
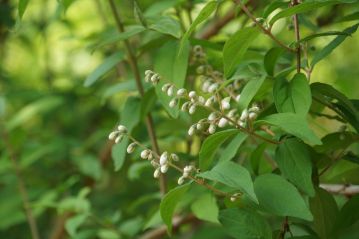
x=249, y=91
x=205, y=208
x=166, y=25
x=22, y=7
x=74, y=223
x=231, y=149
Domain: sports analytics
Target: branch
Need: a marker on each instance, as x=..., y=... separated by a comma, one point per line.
x=134, y=66
x=297, y=36
x=344, y=189
x=213, y=29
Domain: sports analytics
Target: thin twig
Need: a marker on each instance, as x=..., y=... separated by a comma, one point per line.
x=264, y=30
x=134, y=66
x=297, y=36
x=22, y=189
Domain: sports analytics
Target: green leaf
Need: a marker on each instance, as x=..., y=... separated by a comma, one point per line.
x=130, y=117
x=329, y=33
x=235, y=48
x=126, y=86
x=294, y=162
x=294, y=96
x=202, y=16
x=325, y=212
x=271, y=58
x=169, y=202
x=292, y=123
x=74, y=223
x=231, y=149
x=166, y=25
x=138, y=13
x=148, y=101
x=273, y=6
x=249, y=91
x=243, y=223
x=22, y=7
x=121, y=36
x=232, y=175
x=159, y=6
x=320, y=55
x=210, y=146
x=347, y=217
x=105, y=66
x=172, y=67
x=66, y=4
x=331, y=142
x=279, y=197
x=33, y=110
x=205, y=208
x=305, y=7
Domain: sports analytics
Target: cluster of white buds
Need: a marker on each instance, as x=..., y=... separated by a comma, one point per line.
x=151, y=76
x=198, y=54
x=164, y=163
x=248, y=114
x=187, y=170
x=235, y=196
x=118, y=134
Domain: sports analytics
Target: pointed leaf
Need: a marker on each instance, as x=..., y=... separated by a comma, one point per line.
x=249, y=91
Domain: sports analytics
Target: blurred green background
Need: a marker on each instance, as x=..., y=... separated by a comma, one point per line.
x=58, y=127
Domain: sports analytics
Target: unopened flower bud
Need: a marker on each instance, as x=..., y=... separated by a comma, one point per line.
x=225, y=103
x=205, y=86
x=192, y=94
x=122, y=129
x=222, y=122
x=244, y=115
x=252, y=115
x=181, y=92
x=170, y=91
x=231, y=113
x=191, y=130
x=157, y=173
x=212, y=128
x=212, y=116
x=113, y=135
x=199, y=126
x=192, y=109
x=145, y=153
x=163, y=158
x=155, y=78
x=185, y=106
x=131, y=147
x=119, y=139
x=164, y=168
x=174, y=157
x=213, y=87
x=173, y=103
x=201, y=100
x=165, y=87
x=180, y=180
x=238, y=97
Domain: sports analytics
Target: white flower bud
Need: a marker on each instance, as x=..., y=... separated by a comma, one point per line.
x=252, y=115
x=212, y=128
x=209, y=102
x=147, y=78
x=212, y=116
x=181, y=92
x=131, y=147
x=145, y=153
x=180, y=180
x=231, y=113
x=154, y=163
x=199, y=126
x=170, y=91
x=155, y=78
x=163, y=158
x=225, y=103
x=187, y=169
x=254, y=109
x=119, y=139
x=165, y=87
x=192, y=94
x=185, y=106
x=205, y=86
x=213, y=87
x=185, y=174
x=113, y=135
x=157, y=173
x=164, y=168
x=150, y=156
x=201, y=100
x=244, y=115
x=192, y=109
x=233, y=199
x=174, y=157
x=122, y=129
x=222, y=122
x=238, y=97
x=148, y=72
x=173, y=103
x=241, y=123
x=191, y=130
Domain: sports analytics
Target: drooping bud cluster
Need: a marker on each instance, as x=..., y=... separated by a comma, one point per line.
x=151, y=76
x=187, y=170
x=118, y=134
x=248, y=115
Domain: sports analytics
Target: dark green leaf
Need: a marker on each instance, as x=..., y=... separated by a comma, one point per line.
x=293, y=124
x=325, y=212
x=348, y=214
x=159, y=6
x=138, y=13
x=125, y=86
x=320, y=55
x=329, y=33
x=276, y=195
x=249, y=91
x=22, y=7
x=271, y=58
x=232, y=175
x=105, y=66
x=210, y=146
x=230, y=151
x=305, y=7
x=351, y=17
x=243, y=223
x=336, y=141
x=293, y=96
x=74, y=223
x=294, y=162
x=172, y=67
x=235, y=48
x=169, y=202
